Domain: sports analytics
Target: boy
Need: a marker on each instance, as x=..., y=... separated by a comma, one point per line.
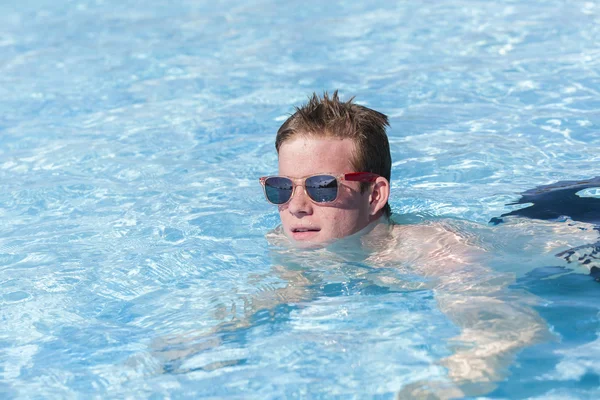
x=334, y=183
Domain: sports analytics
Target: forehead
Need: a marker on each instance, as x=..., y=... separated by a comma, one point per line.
x=306, y=155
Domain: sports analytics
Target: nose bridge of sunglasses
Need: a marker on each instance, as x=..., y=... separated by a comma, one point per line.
x=299, y=189
x=303, y=183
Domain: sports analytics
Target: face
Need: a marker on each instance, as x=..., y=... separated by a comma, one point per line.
x=309, y=222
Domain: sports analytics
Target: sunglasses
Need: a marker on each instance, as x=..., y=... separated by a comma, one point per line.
x=321, y=188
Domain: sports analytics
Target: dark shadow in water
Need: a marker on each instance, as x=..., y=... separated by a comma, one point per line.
x=559, y=200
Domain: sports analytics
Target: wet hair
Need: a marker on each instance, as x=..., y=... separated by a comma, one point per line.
x=328, y=117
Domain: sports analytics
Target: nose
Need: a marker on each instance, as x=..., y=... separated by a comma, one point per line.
x=299, y=205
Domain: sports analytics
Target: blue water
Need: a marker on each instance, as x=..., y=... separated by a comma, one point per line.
x=132, y=238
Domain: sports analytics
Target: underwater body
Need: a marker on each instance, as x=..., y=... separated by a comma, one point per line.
x=136, y=249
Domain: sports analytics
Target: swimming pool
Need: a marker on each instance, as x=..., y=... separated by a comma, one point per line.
x=133, y=226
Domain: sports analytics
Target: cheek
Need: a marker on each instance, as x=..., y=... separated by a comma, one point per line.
x=342, y=220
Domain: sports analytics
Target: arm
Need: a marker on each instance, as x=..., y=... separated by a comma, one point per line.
x=495, y=323
x=174, y=350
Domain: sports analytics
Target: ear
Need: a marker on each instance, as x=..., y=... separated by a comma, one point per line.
x=380, y=193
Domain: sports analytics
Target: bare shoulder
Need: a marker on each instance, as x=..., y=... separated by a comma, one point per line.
x=440, y=243
x=435, y=233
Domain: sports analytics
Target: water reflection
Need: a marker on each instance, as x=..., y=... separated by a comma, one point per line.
x=440, y=261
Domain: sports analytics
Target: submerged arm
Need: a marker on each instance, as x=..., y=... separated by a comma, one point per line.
x=495, y=323
x=174, y=350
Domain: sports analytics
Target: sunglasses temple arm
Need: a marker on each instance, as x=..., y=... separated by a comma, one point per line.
x=361, y=177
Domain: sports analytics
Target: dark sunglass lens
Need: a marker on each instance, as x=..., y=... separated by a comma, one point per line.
x=322, y=188
x=278, y=190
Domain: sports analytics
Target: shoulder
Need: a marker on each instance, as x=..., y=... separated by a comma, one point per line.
x=441, y=243
x=437, y=232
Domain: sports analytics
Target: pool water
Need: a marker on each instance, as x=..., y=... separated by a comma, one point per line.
x=133, y=257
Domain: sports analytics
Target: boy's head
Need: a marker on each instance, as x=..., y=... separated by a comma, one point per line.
x=330, y=138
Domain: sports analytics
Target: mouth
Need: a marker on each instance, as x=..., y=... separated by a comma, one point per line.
x=304, y=233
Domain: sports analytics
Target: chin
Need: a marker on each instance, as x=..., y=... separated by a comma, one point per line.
x=308, y=240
